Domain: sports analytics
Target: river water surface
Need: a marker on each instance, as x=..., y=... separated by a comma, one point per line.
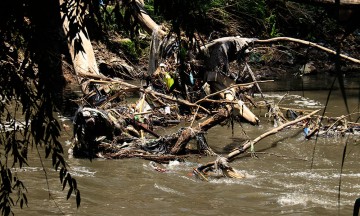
x=280, y=181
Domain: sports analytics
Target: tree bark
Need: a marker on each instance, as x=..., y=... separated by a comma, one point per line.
x=81, y=51
x=145, y=20
x=268, y=133
x=190, y=133
x=249, y=143
x=308, y=43
x=217, y=56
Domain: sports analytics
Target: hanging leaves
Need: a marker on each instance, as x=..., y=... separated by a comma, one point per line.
x=67, y=180
x=28, y=73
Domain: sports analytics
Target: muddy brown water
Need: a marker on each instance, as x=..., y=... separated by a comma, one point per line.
x=279, y=182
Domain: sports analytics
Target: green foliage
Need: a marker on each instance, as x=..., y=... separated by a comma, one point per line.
x=8, y=186
x=111, y=17
x=29, y=67
x=150, y=9
x=186, y=15
x=260, y=17
x=257, y=10
x=129, y=48
x=109, y=20
x=217, y=3
x=270, y=23
x=257, y=16
x=206, y=16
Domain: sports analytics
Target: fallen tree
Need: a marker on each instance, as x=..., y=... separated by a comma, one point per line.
x=310, y=44
x=81, y=51
x=108, y=130
x=95, y=133
x=243, y=148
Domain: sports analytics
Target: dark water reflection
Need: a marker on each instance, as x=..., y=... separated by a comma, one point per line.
x=321, y=81
x=279, y=181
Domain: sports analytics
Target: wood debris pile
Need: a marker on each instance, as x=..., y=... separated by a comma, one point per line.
x=186, y=81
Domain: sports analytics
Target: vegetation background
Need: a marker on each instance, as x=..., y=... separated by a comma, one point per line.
x=34, y=57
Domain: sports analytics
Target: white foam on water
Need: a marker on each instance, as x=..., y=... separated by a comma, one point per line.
x=288, y=185
x=168, y=190
x=353, y=175
x=273, y=96
x=192, y=178
x=247, y=175
x=305, y=102
x=225, y=180
x=82, y=171
x=296, y=99
x=292, y=199
x=357, y=187
x=11, y=125
x=327, y=161
x=28, y=169
x=326, y=174
x=311, y=175
x=298, y=198
x=176, y=165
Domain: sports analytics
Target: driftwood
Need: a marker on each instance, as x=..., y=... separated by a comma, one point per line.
x=217, y=54
x=250, y=143
x=168, y=146
x=144, y=155
x=307, y=43
x=146, y=21
x=148, y=91
x=178, y=100
x=122, y=141
x=189, y=133
x=268, y=133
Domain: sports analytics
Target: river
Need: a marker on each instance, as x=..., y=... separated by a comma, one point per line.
x=280, y=181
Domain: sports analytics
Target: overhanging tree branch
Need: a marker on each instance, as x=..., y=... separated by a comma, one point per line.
x=307, y=43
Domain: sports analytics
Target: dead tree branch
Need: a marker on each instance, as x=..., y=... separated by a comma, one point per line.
x=248, y=144
x=241, y=86
x=308, y=43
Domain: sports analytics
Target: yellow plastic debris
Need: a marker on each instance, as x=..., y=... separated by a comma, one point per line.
x=169, y=81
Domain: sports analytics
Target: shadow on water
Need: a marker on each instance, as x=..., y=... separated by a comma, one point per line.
x=71, y=93
x=319, y=81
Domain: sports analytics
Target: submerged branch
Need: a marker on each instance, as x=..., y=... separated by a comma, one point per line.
x=241, y=86
x=247, y=145
x=250, y=143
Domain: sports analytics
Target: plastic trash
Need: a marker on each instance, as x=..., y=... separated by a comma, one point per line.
x=169, y=81
x=306, y=131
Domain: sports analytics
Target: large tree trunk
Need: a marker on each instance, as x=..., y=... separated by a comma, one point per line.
x=80, y=48
x=148, y=24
